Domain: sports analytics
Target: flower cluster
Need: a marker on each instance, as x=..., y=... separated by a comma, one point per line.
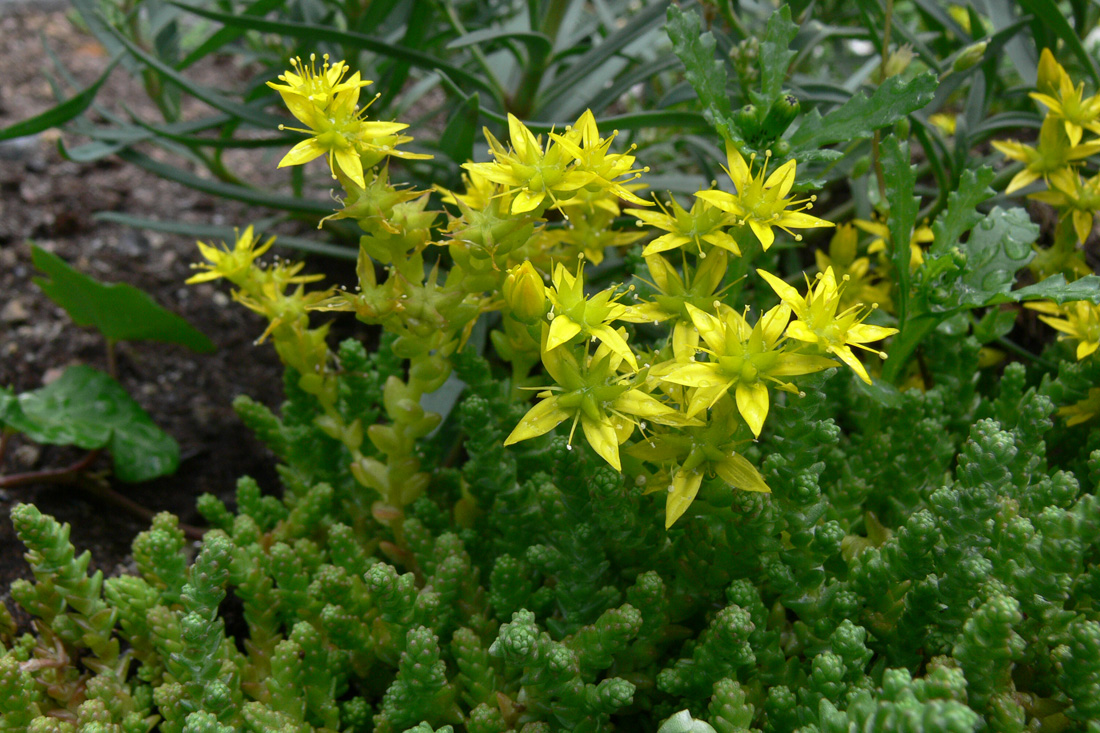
x=1059, y=160
x=672, y=409
x=681, y=407
x=328, y=105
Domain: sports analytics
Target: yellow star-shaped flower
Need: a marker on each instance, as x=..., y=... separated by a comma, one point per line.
x=762, y=203
x=819, y=323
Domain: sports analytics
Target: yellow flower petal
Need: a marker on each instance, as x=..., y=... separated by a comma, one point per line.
x=347, y=159
x=539, y=420
x=561, y=330
x=604, y=440
x=527, y=201
x=845, y=354
x=739, y=473
x=710, y=328
x=685, y=487
x=303, y=152
x=752, y=403
x=783, y=177
x=615, y=342
x=785, y=292
x=763, y=232
x=1082, y=224
x=1022, y=179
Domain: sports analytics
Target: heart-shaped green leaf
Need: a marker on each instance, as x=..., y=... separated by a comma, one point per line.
x=86, y=408
x=120, y=312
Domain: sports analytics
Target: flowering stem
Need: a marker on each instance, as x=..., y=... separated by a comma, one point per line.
x=912, y=333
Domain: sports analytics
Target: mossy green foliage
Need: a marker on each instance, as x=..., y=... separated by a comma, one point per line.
x=946, y=598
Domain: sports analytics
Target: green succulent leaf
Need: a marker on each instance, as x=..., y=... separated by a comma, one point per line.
x=120, y=312
x=998, y=247
x=860, y=116
x=961, y=214
x=86, y=408
x=1057, y=289
x=776, y=53
x=706, y=73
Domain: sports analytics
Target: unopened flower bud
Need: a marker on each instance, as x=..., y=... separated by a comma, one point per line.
x=897, y=62
x=780, y=115
x=969, y=57
x=525, y=293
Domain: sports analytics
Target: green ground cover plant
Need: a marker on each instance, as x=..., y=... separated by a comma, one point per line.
x=770, y=455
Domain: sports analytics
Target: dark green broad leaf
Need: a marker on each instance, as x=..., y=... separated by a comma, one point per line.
x=999, y=245
x=120, y=312
x=776, y=53
x=861, y=115
x=961, y=214
x=62, y=113
x=1057, y=289
x=994, y=324
x=86, y=408
x=705, y=73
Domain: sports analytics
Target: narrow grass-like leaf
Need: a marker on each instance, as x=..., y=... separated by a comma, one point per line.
x=119, y=311
x=251, y=115
x=226, y=35
x=59, y=115
x=646, y=21
x=225, y=234
x=537, y=42
x=625, y=82
x=937, y=12
x=457, y=140
x=318, y=34
x=225, y=190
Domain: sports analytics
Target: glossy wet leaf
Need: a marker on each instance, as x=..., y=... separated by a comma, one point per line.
x=86, y=408
x=120, y=312
x=998, y=247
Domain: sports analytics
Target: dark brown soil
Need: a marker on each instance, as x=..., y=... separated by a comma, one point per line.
x=52, y=202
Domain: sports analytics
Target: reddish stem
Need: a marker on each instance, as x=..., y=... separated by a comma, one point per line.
x=65, y=475
x=73, y=473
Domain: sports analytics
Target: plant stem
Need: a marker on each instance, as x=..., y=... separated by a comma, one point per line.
x=75, y=473
x=112, y=360
x=65, y=475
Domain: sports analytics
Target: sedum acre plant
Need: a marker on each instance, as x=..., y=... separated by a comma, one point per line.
x=794, y=502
